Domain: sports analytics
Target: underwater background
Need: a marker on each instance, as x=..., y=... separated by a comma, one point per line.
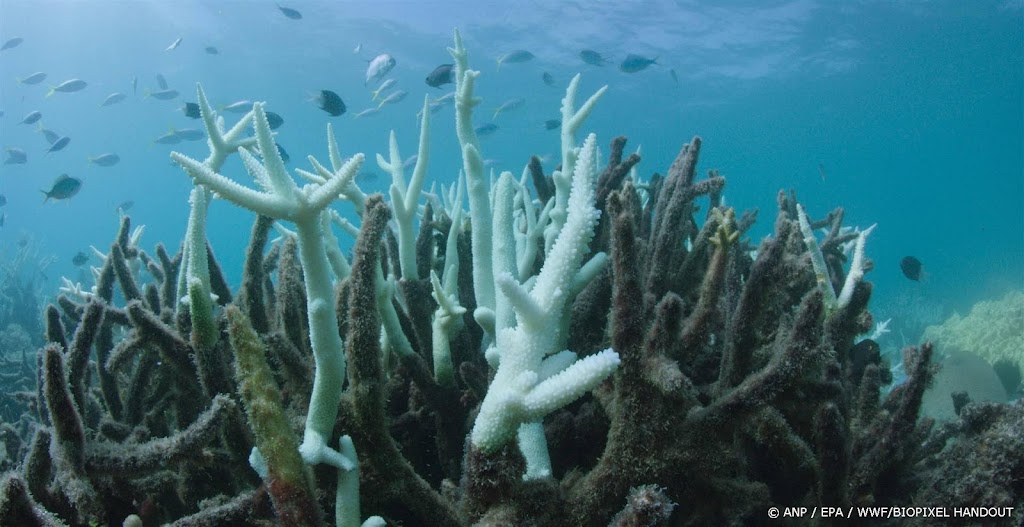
x=908, y=114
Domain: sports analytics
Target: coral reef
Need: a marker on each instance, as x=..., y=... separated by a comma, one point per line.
x=600, y=350
x=993, y=330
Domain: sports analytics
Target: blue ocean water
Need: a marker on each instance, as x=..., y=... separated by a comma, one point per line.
x=907, y=114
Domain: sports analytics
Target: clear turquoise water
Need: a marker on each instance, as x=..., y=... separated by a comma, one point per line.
x=915, y=111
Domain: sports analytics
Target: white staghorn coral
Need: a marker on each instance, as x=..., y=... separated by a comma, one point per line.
x=527, y=385
x=281, y=198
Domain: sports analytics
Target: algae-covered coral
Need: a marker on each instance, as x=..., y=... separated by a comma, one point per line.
x=599, y=349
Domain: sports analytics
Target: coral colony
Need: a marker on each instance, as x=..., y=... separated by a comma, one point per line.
x=584, y=348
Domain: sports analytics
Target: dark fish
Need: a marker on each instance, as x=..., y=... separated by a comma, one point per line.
x=274, y=120
x=35, y=78
x=64, y=187
x=290, y=13
x=547, y=78
x=135, y=85
x=12, y=43
x=3, y=200
x=125, y=206
x=330, y=102
x=210, y=50
x=105, y=160
x=672, y=72
x=80, y=259
x=592, y=57
x=551, y=124
x=863, y=354
x=283, y=153
x=911, y=268
x=443, y=74
x=485, y=130
x=191, y=110
x=515, y=57
x=59, y=144
x=68, y=86
x=31, y=118
x=635, y=63
x=161, y=81
x=15, y=156
x=3, y=218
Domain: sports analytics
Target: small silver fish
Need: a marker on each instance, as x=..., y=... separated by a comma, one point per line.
x=446, y=98
x=50, y=135
x=510, y=104
x=170, y=138
x=113, y=98
x=164, y=95
x=68, y=86
x=367, y=112
x=35, y=78
x=515, y=57
x=383, y=87
x=378, y=68
x=190, y=134
x=238, y=107
x=32, y=117
x=174, y=45
x=393, y=97
x=15, y=156
x=105, y=160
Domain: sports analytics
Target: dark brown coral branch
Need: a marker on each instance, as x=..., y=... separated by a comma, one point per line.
x=250, y=299
x=398, y=485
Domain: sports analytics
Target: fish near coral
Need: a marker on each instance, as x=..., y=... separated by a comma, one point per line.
x=443, y=74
